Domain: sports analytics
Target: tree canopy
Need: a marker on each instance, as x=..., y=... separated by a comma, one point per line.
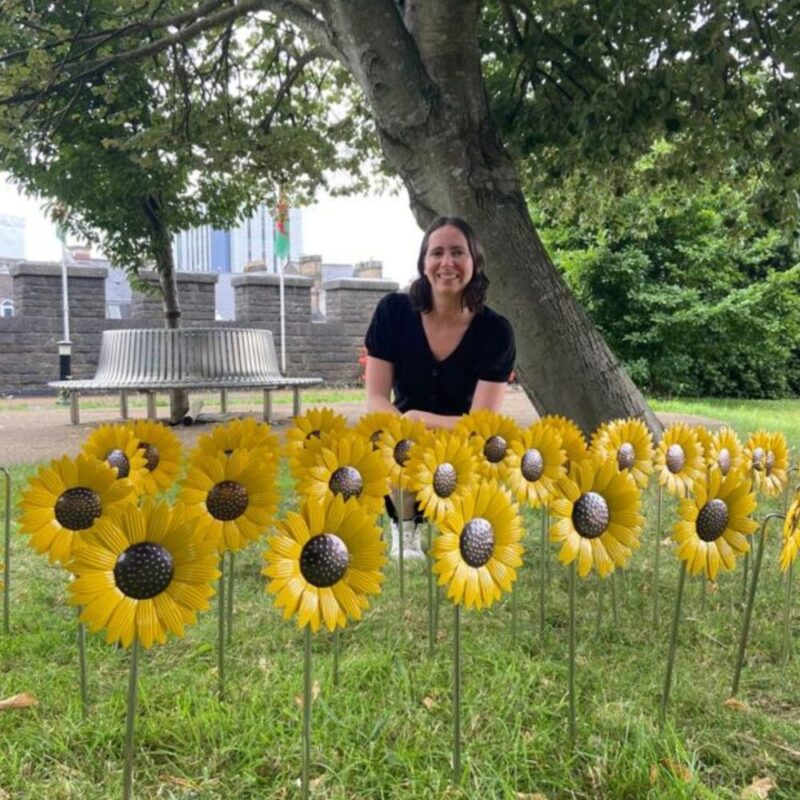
x=471, y=102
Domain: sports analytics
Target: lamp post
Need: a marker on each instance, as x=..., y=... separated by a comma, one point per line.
x=65, y=345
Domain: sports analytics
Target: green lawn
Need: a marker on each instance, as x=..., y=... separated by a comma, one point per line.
x=385, y=730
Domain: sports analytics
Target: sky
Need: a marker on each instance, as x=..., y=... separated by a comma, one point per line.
x=343, y=230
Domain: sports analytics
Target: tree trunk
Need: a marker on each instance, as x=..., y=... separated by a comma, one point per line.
x=422, y=80
x=165, y=265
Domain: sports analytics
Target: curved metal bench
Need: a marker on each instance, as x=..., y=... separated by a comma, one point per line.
x=157, y=359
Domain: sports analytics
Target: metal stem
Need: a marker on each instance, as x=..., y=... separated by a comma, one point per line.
x=614, y=608
x=657, y=557
x=601, y=590
x=221, y=630
x=400, y=527
x=514, y=613
x=456, y=694
x=703, y=592
x=572, y=726
x=542, y=577
x=130, y=723
x=229, y=604
x=7, y=556
x=84, y=671
x=745, y=576
x=336, y=657
x=547, y=565
x=748, y=612
x=786, y=645
x=431, y=624
x=673, y=643
x=307, y=700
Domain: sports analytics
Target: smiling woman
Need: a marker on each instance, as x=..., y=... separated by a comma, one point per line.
x=438, y=349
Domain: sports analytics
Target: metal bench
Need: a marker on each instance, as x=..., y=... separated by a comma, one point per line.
x=157, y=359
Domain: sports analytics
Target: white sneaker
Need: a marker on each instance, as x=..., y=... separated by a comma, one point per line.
x=411, y=541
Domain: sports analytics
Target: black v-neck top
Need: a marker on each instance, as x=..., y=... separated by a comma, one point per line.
x=486, y=352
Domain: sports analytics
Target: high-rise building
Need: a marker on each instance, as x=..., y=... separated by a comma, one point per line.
x=250, y=245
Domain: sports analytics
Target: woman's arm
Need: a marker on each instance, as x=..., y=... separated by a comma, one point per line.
x=488, y=394
x=379, y=376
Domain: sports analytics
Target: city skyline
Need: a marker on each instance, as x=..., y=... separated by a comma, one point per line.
x=339, y=229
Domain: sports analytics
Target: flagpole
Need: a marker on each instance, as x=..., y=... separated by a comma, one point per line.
x=283, y=317
x=65, y=345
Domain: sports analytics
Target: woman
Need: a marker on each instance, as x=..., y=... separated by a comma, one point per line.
x=439, y=349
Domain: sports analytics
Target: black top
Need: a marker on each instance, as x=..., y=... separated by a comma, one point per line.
x=485, y=353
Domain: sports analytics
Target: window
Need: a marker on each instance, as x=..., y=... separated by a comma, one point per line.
x=6, y=308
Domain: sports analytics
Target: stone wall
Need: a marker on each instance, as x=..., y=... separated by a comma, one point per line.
x=329, y=349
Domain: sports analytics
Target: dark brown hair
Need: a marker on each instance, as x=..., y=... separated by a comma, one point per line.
x=474, y=292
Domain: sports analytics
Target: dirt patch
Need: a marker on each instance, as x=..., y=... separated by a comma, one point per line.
x=42, y=431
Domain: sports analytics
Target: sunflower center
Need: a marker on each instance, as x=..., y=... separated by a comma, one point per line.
x=401, y=451
x=78, y=508
x=117, y=458
x=227, y=500
x=724, y=460
x=151, y=454
x=476, y=542
x=626, y=456
x=769, y=462
x=676, y=458
x=532, y=465
x=444, y=479
x=346, y=481
x=324, y=560
x=144, y=570
x=758, y=458
x=712, y=520
x=590, y=515
x=495, y=448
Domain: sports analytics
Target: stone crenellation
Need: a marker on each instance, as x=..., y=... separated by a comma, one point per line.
x=329, y=349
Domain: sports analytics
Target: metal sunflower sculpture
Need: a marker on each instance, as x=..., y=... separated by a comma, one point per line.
x=791, y=535
x=66, y=499
x=597, y=517
x=233, y=498
x=767, y=461
x=396, y=441
x=573, y=442
x=536, y=464
x=314, y=424
x=344, y=464
x=679, y=459
x=630, y=443
x=325, y=562
x=371, y=425
x=117, y=445
x=726, y=453
x=490, y=435
x=143, y=574
x=478, y=551
x=244, y=434
x=441, y=468
x=162, y=453
x=713, y=524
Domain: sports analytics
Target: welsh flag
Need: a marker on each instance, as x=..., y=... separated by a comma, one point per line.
x=282, y=228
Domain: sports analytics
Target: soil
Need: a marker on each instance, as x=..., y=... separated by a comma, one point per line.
x=37, y=429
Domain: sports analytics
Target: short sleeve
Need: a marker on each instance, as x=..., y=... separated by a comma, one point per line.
x=381, y=339
x=496, y=358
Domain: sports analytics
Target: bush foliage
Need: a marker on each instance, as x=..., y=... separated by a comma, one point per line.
x=695, y=297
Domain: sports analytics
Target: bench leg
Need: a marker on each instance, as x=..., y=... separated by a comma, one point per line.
x=223, y=401
x=123, y=404
x=151, y=406
x=268, y=406
x=74, y=409
x=296, y=401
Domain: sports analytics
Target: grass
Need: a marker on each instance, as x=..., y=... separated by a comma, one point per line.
x=745, y=416
x=385, y=730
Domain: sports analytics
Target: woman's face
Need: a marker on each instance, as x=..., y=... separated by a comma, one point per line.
x=448, y=263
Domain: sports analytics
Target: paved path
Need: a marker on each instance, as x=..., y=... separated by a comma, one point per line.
x=36, y=429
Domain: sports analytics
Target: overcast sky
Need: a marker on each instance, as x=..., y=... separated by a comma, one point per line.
x=342, y=230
